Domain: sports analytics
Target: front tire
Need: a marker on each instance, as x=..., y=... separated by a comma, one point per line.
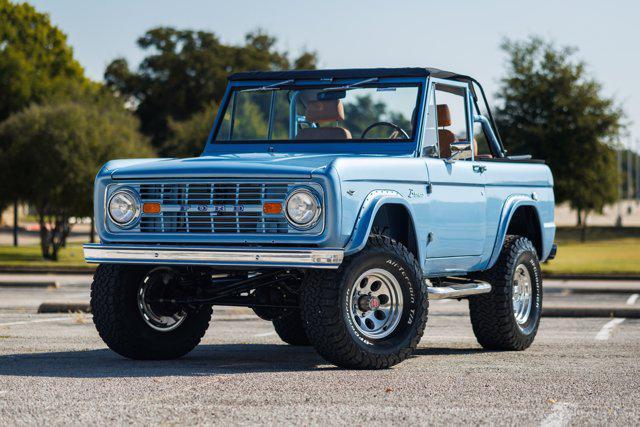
x=508, y=317
x=371, y=312
x=135, y=328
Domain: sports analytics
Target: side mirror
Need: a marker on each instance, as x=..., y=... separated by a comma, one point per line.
x=430, y=151
x=457, y=149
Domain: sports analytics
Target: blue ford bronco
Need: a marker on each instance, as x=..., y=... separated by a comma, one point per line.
x=336, y=204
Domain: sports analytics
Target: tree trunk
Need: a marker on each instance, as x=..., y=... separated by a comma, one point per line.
x=15, y=223
x=583, y=230
x=579, y=220
x=92, y=232
x=51, y=240
x=44, y=236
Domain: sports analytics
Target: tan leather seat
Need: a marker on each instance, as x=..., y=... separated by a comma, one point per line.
x=445, y=136
x=324, y=112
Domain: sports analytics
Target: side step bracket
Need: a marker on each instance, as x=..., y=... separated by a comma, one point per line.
x=457, y=290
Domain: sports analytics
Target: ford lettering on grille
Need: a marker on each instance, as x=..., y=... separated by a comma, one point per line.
x=211, y=208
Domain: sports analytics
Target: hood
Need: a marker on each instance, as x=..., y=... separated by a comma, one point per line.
x=246, y=165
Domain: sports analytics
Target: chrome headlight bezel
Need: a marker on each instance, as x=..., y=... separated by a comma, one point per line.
x=317, y=214
x=136, y=204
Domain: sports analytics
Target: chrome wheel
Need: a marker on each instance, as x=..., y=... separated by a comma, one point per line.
x=522, y=294
x=375, y=303
x=158, y=315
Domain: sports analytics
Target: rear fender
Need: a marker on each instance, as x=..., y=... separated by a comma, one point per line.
x=512, y=203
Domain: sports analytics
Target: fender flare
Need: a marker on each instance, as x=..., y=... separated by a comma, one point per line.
x=367, y=214
x=511, y=204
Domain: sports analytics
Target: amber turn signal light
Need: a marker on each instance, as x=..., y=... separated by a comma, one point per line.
x=151, y=208
x=272, y=208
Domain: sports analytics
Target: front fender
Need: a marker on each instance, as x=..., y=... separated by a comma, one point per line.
x=367, y=214
x=512, y=203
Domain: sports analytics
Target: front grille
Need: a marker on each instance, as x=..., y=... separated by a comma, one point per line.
x=226, y=208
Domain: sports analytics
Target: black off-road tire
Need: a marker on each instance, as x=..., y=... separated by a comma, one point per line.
x=492, y=315
x=290, y=328
x=325, y=308
x=120, y=323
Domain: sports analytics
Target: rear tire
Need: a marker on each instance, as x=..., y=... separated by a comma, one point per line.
x=371, y=312
x=115, y=304
x=508, y=317
x=290, y=328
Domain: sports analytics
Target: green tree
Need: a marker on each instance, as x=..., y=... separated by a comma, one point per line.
x=53, y=152
x=187, y=138
x=551, y=108
x=185, y=71
x=35, y=62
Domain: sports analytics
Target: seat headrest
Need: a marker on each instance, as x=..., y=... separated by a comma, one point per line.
x=325, y=111
x=444, y=115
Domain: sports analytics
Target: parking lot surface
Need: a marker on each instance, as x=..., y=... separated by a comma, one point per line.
x=54, y=369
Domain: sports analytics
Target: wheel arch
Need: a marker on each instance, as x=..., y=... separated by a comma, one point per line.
x=389, y=211
x=519, y=216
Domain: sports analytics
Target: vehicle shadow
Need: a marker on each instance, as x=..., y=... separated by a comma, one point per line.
x=204, y=360
x=216, y=359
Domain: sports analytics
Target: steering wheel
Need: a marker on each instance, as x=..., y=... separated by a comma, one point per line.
x=397, y=130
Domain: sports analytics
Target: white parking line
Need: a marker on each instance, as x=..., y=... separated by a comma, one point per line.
x=560, y=415
x=605, y=332
x=266, y=334
x=26, y=322
x=632, y=299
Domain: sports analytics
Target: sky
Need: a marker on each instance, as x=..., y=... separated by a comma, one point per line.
x=462, y=36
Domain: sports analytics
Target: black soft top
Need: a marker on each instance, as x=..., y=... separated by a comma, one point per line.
x=346, y=73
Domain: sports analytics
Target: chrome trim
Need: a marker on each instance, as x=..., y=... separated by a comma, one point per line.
x=189, y=255
x=137, y=204
x=457, y=290
x=376, y=303
x=316, y=217
x=265, y=224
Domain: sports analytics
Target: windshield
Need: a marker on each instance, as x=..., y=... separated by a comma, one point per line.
x=281, y=112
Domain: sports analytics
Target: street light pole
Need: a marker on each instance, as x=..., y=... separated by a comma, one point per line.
x=638, y=170
x=619, y=203
x=629, y=172
x=15, y=223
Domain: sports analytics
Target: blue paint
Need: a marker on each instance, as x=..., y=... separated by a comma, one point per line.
x=460, y=209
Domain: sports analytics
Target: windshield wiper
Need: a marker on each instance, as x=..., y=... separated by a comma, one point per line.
x=274, y=86
x=351, y=86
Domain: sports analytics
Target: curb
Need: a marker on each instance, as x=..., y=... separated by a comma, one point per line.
x=29, y=284
x=622, y=289
x=622, y=311
x=55, y=307
x=47, y=270
x=613, y=277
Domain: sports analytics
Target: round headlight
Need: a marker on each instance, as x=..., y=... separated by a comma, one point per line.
x=123, y=207
x=302, y=208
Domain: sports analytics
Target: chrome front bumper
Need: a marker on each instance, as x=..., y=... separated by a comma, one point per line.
x=231, y=257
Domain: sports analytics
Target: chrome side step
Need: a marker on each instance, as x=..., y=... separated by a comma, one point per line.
x=457, y=290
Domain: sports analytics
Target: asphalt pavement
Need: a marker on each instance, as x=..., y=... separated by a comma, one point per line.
x=54, y=369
